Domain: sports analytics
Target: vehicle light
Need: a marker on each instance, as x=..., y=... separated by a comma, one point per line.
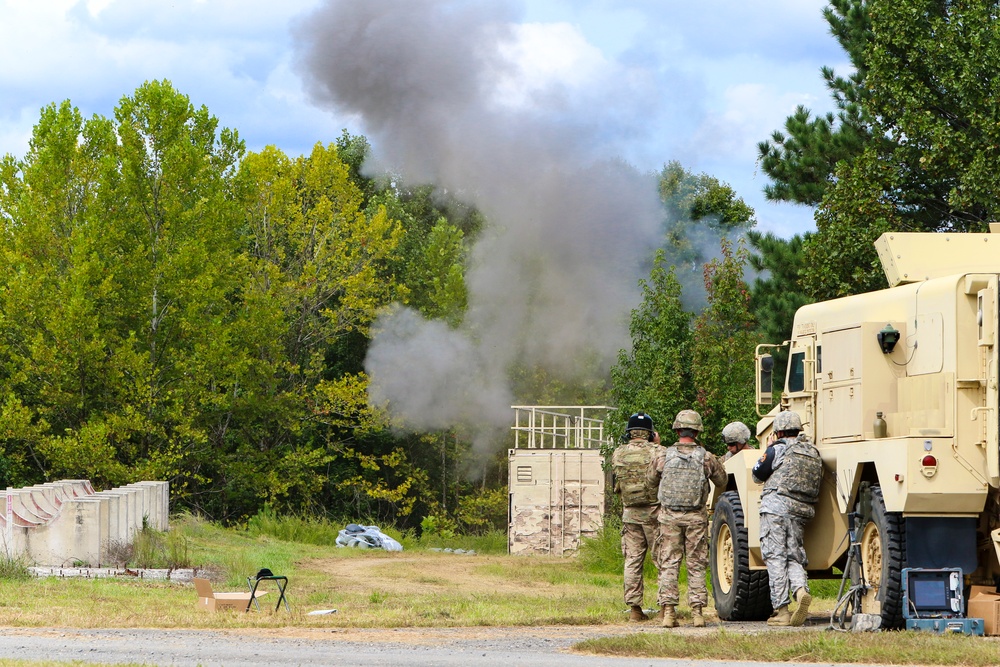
x=928, y=466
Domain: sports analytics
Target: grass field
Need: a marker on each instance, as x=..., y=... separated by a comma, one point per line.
x=419, y=587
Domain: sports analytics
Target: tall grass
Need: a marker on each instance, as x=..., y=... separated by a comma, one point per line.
x=292, y=528
x=602, y=554
x=14, y=568
x=323, y=532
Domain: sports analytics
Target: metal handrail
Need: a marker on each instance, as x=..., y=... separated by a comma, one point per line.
x=559, y=426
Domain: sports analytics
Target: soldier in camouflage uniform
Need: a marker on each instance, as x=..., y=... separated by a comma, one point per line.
x=791, y=471
x=736, y=435
x=639, y=506
x=682, y=473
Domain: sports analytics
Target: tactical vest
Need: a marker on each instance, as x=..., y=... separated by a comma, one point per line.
x=800, y=473
x=682, y=485
x=630, y=468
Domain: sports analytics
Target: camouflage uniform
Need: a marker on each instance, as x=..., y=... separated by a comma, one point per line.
x=684, y=526
x=640, y=528
x=782, y=522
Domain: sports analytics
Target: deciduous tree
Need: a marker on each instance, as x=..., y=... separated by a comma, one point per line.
x=724, y=338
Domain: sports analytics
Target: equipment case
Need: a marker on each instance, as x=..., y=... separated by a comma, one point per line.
x=933, y=601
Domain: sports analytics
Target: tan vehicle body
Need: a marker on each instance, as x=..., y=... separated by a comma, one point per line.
x=937, y=392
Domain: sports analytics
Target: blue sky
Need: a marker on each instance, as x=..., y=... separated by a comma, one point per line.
x=709, y=79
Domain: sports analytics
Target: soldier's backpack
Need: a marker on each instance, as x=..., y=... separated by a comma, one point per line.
x=800, y=472
x=682, y=484
x=630, y=467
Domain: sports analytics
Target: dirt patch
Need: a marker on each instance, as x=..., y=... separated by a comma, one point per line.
x=427, y=573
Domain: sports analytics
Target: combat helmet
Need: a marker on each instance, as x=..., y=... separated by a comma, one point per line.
x=787, y=421
x=735, y=433
x=688, y=419
x=640, y=420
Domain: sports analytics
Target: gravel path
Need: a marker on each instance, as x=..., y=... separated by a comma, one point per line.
x=445, y=647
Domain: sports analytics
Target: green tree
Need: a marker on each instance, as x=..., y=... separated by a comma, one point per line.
x=937, y=105
x=319, y=275
x=801, y=160
x=723, y=342
x=777, y=290
x=51, y=354
x=654, y=376
x=122, y=286
x=931, y=167
x=174, y=309
x=698, y=209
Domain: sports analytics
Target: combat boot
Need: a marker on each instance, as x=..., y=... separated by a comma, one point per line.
x=782, y=617
x=697, y=620
x=802, y=611
x=669, y=616
x=637, y=614
x=659, y=615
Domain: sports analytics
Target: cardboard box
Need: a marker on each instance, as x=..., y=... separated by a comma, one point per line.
x=984, y=603
x=209, y=600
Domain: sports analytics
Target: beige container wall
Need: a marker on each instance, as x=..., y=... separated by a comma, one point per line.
x=64, y=523
x=556, y=498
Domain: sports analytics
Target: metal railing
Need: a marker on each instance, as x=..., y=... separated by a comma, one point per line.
x=559, y=426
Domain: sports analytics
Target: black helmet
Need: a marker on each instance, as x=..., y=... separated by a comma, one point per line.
x=640, y=420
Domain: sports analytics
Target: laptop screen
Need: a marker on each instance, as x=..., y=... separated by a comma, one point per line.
x=929, y=593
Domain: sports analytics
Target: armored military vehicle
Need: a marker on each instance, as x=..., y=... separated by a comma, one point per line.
x=898, y=389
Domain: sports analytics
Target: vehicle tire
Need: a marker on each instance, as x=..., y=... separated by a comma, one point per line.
x=882, y=540
x=741, y=594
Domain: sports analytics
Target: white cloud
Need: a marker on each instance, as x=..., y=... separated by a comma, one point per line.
x=750, y=113
x=711, y=78
x=543, y=56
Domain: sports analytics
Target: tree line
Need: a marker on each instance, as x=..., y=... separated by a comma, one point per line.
x=175, y=307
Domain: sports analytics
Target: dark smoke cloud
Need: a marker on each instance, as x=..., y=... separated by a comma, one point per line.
x=571, y=228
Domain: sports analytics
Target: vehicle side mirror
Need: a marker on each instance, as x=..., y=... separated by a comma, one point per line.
x=765, y=368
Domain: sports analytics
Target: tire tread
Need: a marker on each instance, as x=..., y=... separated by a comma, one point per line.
x=752, y=590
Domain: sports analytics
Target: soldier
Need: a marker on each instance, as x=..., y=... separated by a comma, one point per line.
x=682, y=472
x=736, y=435
x=791, y=471
x=639, y=505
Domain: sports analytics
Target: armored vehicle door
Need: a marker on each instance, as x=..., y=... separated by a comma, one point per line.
x=987, y=415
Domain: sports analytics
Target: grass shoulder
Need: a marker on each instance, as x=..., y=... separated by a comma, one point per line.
x=802, y=646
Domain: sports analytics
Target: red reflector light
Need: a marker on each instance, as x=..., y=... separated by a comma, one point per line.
x=929, y=461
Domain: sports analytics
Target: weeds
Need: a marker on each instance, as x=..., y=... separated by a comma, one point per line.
x=149, y=548
x=14, y=568
x=602, y=554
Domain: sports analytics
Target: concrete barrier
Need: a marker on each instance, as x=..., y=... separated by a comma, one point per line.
x=66, y=523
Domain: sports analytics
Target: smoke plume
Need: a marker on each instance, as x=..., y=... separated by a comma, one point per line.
x=448, y=95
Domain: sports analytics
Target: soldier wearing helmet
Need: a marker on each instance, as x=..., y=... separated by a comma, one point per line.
x=736, y=436
x=791, y=471
x=682, y=473
x=639, y=505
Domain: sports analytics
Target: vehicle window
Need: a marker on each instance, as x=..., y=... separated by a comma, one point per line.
x=796, y=372
x=819, y=359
